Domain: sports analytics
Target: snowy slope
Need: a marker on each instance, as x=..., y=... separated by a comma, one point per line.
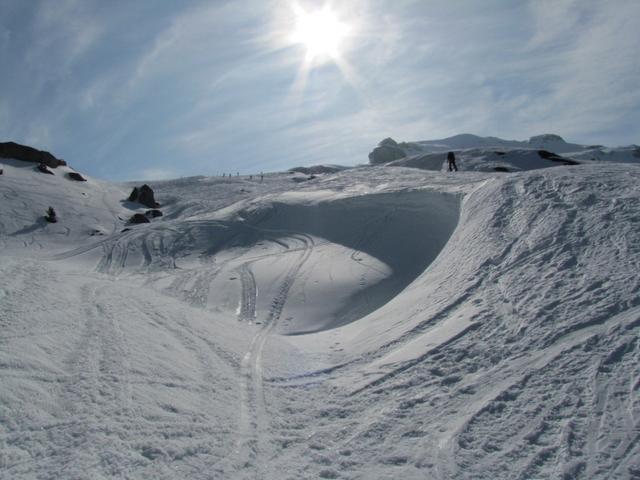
x=88, y=208
x=372, y=323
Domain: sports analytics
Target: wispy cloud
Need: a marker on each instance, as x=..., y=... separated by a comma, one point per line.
x=591, y=75
x=215, y=86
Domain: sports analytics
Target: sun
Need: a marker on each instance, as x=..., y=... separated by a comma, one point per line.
x=321, y=32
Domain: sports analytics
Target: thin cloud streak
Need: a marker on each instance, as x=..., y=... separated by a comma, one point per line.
x=121, y=88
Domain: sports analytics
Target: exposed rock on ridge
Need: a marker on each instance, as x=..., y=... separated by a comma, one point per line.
x=29, y=154
x=386, y=151
x=143, y=195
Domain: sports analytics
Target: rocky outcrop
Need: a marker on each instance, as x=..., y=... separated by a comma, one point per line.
x=303, y=179
x=144, y=195
x=554, y=157
x=133, y=196
x=389, y=142
x=43, y=168
x=76, y=176
x=139, y=218
x=386, y=151
x=153, y=213
x=29, y=154
x=51, y=216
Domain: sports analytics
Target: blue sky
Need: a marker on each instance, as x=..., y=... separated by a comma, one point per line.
x=152, y=89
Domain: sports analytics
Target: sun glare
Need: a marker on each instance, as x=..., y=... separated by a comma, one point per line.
x=321, y=32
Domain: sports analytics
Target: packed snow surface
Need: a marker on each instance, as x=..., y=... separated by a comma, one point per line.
x=376, y=322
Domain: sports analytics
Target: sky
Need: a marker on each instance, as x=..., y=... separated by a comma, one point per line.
x=156, y=89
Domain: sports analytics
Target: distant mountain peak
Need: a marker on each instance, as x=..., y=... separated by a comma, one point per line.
x=546, y=138
x=488, y=153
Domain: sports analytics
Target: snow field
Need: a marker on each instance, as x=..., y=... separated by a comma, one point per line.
x=374, y=323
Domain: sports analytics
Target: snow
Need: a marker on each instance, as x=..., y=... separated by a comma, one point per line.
x=375, y=322
x=489, y=154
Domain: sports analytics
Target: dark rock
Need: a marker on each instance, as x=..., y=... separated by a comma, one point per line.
x=303, y=179
x=1, y=171
x=153, y=213
x=139, y=218
x=146, y=197
x=385, y=154
x=29, y=154
x=133, y=197
x=500, y=153
x=500, y=169
x=51, y=216
x=636, y=152
x=554, y=157
x=43, y=168
x=390, y=142
x=76, y=176
x=547, y=155
x=143, y=195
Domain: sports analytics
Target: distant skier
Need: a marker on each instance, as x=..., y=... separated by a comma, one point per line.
x=451, y=160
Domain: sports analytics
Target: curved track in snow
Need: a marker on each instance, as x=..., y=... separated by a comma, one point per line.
x=247, y=311
x=254, y=417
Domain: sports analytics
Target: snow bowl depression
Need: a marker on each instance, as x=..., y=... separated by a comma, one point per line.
x=348, y=256
x=338, y=259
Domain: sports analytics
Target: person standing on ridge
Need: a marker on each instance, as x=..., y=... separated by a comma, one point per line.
x=451, y=160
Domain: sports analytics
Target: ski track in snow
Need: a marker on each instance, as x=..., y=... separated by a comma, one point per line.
x=158, y=352
x=254, y=417
x=247, y=311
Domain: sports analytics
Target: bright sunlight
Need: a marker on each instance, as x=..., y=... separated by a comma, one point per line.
x=321, y=32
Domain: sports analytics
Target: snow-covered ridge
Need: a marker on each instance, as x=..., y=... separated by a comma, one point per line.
x=495, y=154
x=368, y=323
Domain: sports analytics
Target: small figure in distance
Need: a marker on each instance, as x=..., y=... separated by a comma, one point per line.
x=451, y=160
